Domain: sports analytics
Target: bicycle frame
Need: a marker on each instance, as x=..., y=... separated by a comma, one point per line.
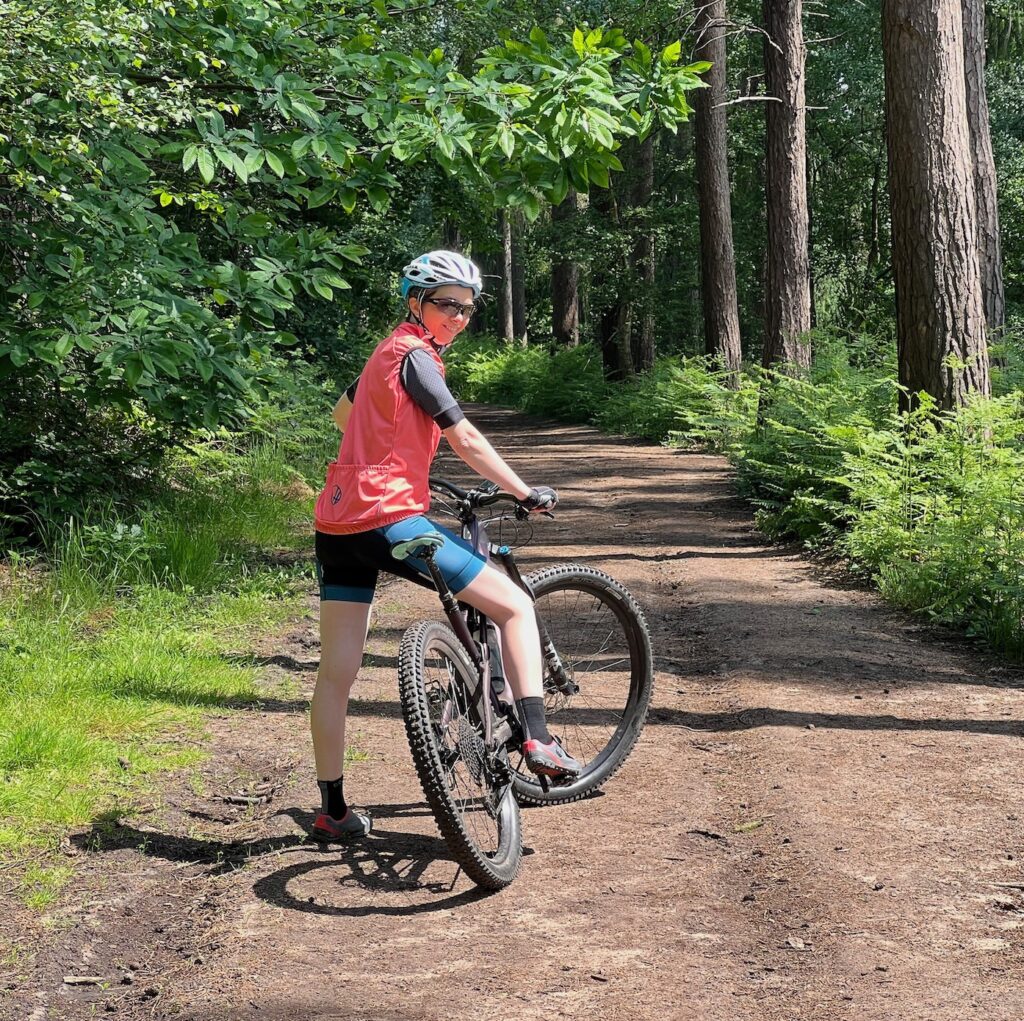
x=464, y=619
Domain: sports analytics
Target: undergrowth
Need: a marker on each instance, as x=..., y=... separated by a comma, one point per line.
x=928, y=506
x=129, y=619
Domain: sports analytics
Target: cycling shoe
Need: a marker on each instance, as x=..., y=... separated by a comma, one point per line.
x=351, y=826
x=550, y=759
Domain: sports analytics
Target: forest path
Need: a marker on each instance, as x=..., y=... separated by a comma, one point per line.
x=821, y=820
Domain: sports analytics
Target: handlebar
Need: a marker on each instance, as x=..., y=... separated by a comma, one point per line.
x=471, y=499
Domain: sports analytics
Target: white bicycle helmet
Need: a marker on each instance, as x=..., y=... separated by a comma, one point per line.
x=435, y=269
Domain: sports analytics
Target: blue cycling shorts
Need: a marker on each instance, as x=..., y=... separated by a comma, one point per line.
x=347, y=565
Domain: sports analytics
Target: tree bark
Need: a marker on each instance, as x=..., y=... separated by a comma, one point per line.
x=643, y=341
x=788, y=294
x=717, y=258
x=519, y=324
x=614, y=327
x=940, y=311
x=506, y=322
x=986, y=207
x=565, y=281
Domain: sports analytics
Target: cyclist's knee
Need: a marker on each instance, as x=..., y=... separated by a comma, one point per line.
x=515, y=607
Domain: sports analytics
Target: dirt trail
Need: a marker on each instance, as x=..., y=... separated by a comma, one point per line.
x=821, y=821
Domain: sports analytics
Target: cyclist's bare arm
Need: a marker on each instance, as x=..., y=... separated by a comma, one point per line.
x=472, y=447
x=341, y=411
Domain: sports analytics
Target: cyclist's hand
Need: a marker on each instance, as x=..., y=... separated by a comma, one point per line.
x=541, y=498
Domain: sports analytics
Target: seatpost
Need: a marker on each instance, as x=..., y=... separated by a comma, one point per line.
x=453, y=613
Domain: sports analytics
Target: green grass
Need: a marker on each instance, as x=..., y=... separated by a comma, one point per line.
x=116, y=640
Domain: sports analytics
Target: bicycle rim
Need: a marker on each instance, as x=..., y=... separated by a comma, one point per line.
x=601, y=638
x=472, y=801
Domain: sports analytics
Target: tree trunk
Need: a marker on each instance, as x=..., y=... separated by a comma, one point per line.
x=788, y=294
x=614, y=327
x=506, y=323
x=643, y=342
x=519, y=325
x=873, y=228
x=451, y=235
x=990, y=257
x=940, y=311
x=717, y=259
x=565, y=281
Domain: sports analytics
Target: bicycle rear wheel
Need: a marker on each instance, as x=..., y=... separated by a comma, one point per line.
x=468, y=789
x=601, y=638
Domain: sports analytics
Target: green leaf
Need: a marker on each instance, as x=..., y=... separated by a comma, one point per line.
x=378, y=197
x=506, y=140
x=577, y=42
x=671, y=53
x=274, y=162
x=347, y=198
x=531, y=206
x=321, y=196
x=206, y=165
x=598, y=174
x=188, y=160
x=699, y=67
x=133, y=368
x=559, y=189
x=165, y=199
x=322, y=289
x=538, y=38
x=334, y=280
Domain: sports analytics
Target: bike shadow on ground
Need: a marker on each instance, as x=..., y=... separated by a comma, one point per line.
x=389, y=862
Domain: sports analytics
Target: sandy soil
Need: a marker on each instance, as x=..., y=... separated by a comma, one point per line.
x=821, y=821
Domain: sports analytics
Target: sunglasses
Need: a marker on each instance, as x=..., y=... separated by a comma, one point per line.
x=451, y=308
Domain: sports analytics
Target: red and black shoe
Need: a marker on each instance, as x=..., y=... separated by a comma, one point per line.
x=351, y=826
x=550, y=759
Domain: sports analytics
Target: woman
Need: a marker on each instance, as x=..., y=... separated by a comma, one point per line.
x=377, y=493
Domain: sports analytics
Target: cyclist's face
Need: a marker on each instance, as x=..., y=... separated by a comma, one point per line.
x=444, y=327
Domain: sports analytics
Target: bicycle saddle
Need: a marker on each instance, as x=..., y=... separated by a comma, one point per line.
x=417, y=546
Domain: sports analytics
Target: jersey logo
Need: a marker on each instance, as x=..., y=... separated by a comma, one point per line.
x=336, y=495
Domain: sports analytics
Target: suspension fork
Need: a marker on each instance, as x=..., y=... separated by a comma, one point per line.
x=555, y=669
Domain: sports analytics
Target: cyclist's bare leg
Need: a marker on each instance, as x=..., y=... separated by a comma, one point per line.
x=342, y=637
x=511, y=609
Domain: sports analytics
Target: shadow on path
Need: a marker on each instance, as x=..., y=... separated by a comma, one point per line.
x=388, y=862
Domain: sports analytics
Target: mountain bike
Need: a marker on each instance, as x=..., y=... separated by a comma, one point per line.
x=460, y=716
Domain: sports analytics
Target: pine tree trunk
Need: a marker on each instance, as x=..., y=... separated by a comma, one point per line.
x=614, y=328
x=717, y=259
x=990, y=257
x=643, y=342
x=788, y=294
x=519, y=324
x=565, y=281
x=940, y=311
x=506, y=324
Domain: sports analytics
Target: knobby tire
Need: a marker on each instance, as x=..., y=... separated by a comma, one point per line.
x=598, y=602
x=429, y=741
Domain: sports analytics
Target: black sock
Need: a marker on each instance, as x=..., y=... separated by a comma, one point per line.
x=332, y=797
x=531, y=714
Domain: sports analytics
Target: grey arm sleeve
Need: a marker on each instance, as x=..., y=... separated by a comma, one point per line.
x=424, y=383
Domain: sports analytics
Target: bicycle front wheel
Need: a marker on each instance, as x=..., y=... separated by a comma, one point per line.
x=601, y=638
x=468, y=788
